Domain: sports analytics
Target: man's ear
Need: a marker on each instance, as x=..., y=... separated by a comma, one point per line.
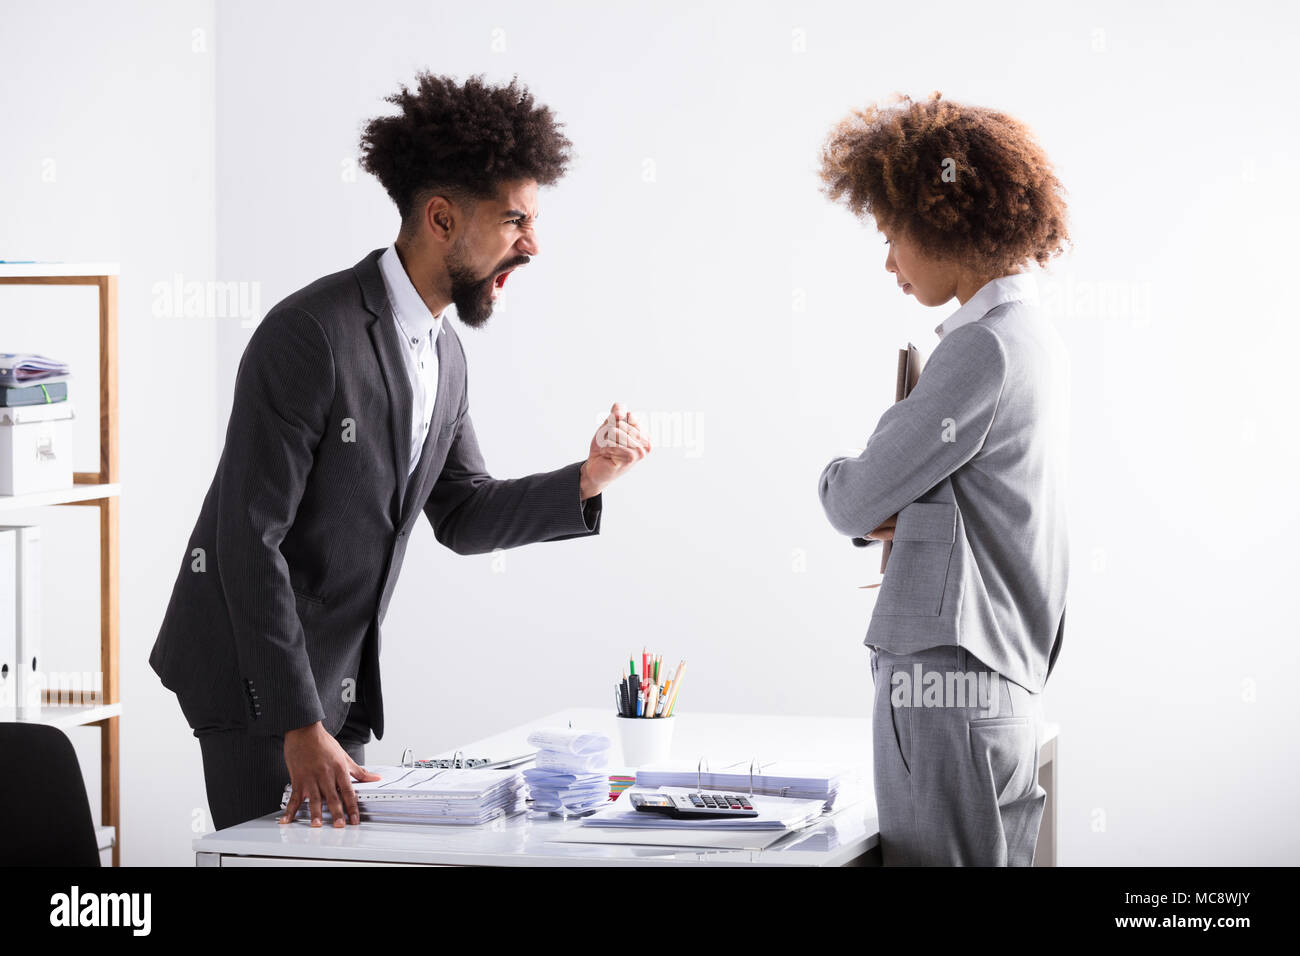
x=441, y=218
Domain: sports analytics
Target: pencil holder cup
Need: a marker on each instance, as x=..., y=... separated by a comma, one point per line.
x=646, y=740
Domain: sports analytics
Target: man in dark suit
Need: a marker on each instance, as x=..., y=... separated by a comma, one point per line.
x=350, y=417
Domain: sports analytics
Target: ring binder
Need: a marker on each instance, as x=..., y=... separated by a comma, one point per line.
x=772, y=778
x=704, y=765
x=459, y=761
x=704, y=762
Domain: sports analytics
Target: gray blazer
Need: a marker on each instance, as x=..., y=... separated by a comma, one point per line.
x=274, y=619
x=973, y=463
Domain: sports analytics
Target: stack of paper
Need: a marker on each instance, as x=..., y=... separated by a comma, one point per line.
x=774, y=813
x=777, y=778
x=430, y=795
x=31, y=380
x=570, y=774
x=25, y=368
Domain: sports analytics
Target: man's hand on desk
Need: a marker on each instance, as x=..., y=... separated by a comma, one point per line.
x=321, y=771
x=617, y=445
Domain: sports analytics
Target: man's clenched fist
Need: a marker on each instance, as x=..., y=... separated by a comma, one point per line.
x=617, y=445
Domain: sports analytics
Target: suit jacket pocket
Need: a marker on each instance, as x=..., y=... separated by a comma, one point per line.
x=917, y=573
x=307, y=603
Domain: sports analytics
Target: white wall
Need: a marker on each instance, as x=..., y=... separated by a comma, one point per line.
x=727, y=291
x=108, y=156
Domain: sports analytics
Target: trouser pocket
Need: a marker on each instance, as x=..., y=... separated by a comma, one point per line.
x=1003, y=749
x=894, y=723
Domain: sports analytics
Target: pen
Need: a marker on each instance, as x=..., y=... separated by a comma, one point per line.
x=681, y=672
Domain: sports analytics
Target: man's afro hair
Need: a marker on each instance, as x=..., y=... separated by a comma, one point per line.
x=463, y=140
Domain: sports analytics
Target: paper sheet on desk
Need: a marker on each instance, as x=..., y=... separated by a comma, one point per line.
x=686, y=839
x=781, y=814
x=659, y=830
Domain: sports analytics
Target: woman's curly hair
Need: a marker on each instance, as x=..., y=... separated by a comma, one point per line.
x=963, y=182
x=462, y=140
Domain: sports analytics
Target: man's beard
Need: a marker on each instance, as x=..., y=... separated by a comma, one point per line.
x=472, y=296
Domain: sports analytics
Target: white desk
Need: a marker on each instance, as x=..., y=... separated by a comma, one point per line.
x=848, y=836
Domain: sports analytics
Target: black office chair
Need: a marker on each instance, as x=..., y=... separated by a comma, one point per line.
x=43, y=800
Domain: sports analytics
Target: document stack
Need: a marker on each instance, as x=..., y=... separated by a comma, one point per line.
x=440, y=796
x=571, y=776
x=27, y=379
x=35, y=424
x=773, y=778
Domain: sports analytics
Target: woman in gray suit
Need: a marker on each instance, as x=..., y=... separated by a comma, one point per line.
x=966, y=477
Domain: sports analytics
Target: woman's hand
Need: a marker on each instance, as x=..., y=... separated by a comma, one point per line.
x=886, y=530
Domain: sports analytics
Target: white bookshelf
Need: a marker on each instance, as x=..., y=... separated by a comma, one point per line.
x=100, y=490
x=63, y=716
x=37, y=270
x=60, y=496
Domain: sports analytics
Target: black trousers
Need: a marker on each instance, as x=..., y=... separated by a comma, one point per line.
x=245, y=775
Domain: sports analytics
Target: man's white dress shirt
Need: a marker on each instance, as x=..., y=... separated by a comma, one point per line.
x=418, y=328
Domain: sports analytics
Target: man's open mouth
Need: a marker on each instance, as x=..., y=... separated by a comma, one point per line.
x=499, y=282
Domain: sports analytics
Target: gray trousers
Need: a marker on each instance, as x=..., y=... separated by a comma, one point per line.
x=956, y=781
x=245, y=775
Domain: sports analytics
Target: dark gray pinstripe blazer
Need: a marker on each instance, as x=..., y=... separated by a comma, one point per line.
x=289, y=570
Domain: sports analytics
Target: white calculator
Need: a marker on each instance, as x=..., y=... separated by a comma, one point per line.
x=696, y=805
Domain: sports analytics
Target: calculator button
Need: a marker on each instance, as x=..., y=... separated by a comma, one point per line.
x=708, y=802
x=695, y=799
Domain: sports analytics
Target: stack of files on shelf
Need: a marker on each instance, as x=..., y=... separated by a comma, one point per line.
x=41, y=393
x=775, y=778
x=19, y=369
x=27, y=379
x=432, y=795
x=774, y=813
